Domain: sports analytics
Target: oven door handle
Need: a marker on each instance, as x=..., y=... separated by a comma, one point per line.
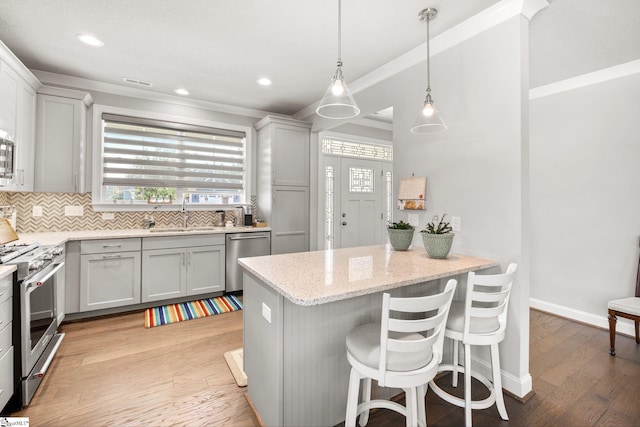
x=38, y=280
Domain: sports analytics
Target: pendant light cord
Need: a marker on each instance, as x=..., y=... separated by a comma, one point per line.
x=339, y=33
x=428, y=58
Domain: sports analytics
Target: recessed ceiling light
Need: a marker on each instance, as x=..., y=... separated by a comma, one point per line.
x=181, y=91
x=264, y=81
x=90, y=40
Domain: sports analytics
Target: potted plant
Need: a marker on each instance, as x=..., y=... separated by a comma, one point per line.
x=400, y=235
x=437, y=238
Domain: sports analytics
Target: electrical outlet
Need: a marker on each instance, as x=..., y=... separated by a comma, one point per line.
x=36, y=211
x=266, y=312
x=455, y=223
x=108, y=216
x=414, y=219
x=73, y=210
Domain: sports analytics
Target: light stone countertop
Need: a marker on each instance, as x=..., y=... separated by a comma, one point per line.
x=6, y=270
x=312, y=278
x=61, y=237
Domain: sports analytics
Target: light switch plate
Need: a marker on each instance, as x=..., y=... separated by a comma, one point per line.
x=73, y=210
x=414, y=219
x=36, y=211
x=455, y=223
x=266, y=312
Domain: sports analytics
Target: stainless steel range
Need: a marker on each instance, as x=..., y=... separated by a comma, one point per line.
x=35, y=324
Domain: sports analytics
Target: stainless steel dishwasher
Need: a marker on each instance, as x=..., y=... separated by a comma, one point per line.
x=243, y=245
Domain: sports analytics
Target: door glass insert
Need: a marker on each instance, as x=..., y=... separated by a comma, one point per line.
x=361, y=180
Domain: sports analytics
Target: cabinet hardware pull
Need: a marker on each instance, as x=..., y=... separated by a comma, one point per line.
x=111, y=246
x=111, y=256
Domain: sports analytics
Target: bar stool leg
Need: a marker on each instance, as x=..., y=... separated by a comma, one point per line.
x=352, y=399
x=454, y=371
x=422, y=411
x=366, y=396
x=411, y=400
x=467, y=385
x=612, y=332
x=497, y=381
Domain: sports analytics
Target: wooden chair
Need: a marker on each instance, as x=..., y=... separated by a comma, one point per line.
x=398, y=352
x=629, y=308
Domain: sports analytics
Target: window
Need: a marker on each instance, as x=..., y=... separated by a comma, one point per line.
x=154, y=161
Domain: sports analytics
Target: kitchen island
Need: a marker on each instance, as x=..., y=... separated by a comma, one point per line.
x=298, y=309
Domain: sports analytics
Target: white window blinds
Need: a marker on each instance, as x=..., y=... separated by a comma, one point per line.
x=152, y=153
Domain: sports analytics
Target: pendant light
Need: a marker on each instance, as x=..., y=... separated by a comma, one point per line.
x=429, y=119
x=337, y=102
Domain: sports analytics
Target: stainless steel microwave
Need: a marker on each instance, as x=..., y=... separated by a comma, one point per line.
x=7, y=158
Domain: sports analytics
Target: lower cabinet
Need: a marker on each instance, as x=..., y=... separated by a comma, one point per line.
x=180, y=266
x=109, y=273
x=6, y=346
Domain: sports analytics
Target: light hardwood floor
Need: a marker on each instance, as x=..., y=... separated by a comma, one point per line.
x=113, y=371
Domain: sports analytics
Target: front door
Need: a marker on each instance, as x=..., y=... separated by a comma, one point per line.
x=360, y=214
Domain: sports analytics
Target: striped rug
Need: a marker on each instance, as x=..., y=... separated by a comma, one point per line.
x=158, y=316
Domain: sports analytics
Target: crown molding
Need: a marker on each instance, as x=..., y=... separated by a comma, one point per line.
x=606, y=74
x=14, y=63
x=488, y=18
x=86, y=84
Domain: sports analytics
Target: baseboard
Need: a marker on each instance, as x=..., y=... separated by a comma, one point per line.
x=623, y=326
x=519, y=388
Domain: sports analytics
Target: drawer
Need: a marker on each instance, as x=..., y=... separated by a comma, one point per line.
x=6, y=310
x=6, y=288
x=5, y=339
x=104, y=246
x=6, y=377
x=170, y=242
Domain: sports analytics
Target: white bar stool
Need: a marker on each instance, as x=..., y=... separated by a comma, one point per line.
x=481, y=319
x=402, y=351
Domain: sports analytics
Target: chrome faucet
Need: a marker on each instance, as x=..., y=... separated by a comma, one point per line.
x=185, y=215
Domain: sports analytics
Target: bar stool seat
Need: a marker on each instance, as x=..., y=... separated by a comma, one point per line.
x=480, y=319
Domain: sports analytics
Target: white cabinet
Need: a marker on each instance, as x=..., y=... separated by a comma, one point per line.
x=9, y=82
x=174, y=267
x=61, y=140
x=283, y=151
x=18, y=117
x=6, y=342
x=109, y=273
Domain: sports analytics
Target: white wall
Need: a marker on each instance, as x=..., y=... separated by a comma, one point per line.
x=585, y=198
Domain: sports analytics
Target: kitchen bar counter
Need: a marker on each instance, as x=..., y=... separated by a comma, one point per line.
x=298, y=309
x=61, y=237
x=311, y=278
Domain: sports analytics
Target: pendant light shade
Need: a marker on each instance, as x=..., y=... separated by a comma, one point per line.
x=429, y=119
x=337, y=102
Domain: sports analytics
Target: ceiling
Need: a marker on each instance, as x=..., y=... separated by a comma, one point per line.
x=218, y=49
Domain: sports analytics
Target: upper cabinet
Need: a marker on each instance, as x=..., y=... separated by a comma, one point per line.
x=18, y=88
x=61, y=140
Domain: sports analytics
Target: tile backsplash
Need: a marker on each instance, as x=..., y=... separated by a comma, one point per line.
x=53, y=214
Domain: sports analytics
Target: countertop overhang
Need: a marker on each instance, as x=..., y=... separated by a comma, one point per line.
x=61, y=237
x=312, y=278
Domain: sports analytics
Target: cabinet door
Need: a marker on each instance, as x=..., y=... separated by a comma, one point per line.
x=205, y=269
x=59, y=144
x=9, y=82
x=290, y=226
x=163, y=274
x=61, y=294
x=109, y=280
x=290, y=155
x=25, y=139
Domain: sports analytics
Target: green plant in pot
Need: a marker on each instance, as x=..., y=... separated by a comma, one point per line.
x=437, y=238
x=400, y=235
